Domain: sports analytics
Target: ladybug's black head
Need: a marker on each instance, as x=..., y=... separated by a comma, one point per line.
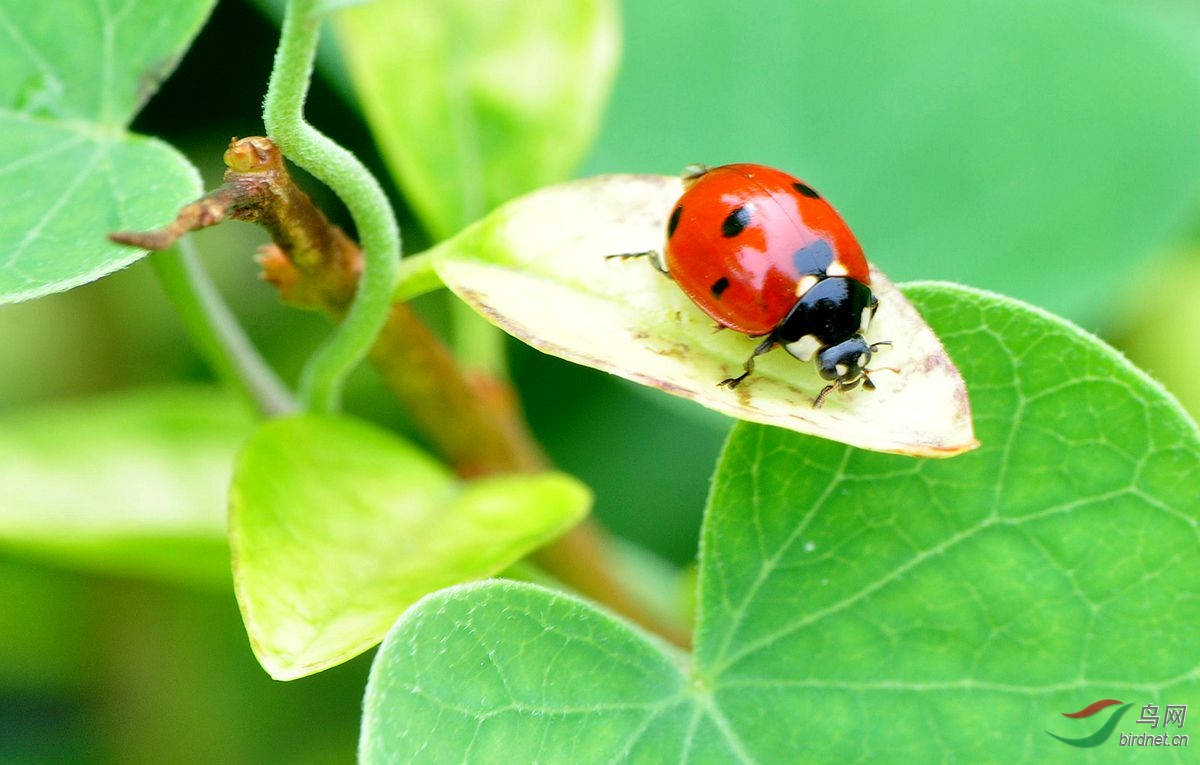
x=846, y=362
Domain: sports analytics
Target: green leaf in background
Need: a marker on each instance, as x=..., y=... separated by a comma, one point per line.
x=537, y=267
x=855, y=605
x=337, y=526
x=72, y=75
x=474, y=103
x=1040, y=148
x=1161, y=315
x=130, y=484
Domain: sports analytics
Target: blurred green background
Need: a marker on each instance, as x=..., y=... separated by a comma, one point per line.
x=1047, y=150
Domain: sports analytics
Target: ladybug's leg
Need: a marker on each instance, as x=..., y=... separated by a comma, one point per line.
x=867, y=380
x=655, y=257
x=825, y=392
x=841, y=386
x=844, y=385
x=763, y=347
x=692, y=173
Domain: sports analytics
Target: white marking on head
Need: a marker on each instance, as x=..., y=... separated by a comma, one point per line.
x=804, y=348
x=806, y=283
x=841, y=369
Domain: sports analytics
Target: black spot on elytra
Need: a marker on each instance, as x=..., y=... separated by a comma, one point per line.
x=735, y=222
x=674, y=221
x=719, y=286
x=806, y=190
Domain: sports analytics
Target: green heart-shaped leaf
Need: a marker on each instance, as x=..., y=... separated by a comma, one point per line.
x=72, y=75
x=338, y=526
x=854, y=603
x=508, y=672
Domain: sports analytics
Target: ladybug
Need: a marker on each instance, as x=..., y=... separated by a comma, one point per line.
x=763, y=254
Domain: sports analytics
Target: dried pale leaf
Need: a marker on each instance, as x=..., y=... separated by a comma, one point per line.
x=537, y=268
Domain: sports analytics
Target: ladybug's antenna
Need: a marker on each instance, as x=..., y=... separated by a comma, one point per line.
x=840, y=386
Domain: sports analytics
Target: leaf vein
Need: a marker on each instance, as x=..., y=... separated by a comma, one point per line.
x=53, y=211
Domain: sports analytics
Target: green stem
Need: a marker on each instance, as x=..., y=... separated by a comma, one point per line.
x=416, y=277
x=215, y=331
x=341, y=171
x=478, y=346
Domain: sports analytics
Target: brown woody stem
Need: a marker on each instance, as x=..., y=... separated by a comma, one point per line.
x=474, y=421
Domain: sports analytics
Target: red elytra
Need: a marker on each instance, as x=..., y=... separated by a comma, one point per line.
x=764, y=254
x=745, y=242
